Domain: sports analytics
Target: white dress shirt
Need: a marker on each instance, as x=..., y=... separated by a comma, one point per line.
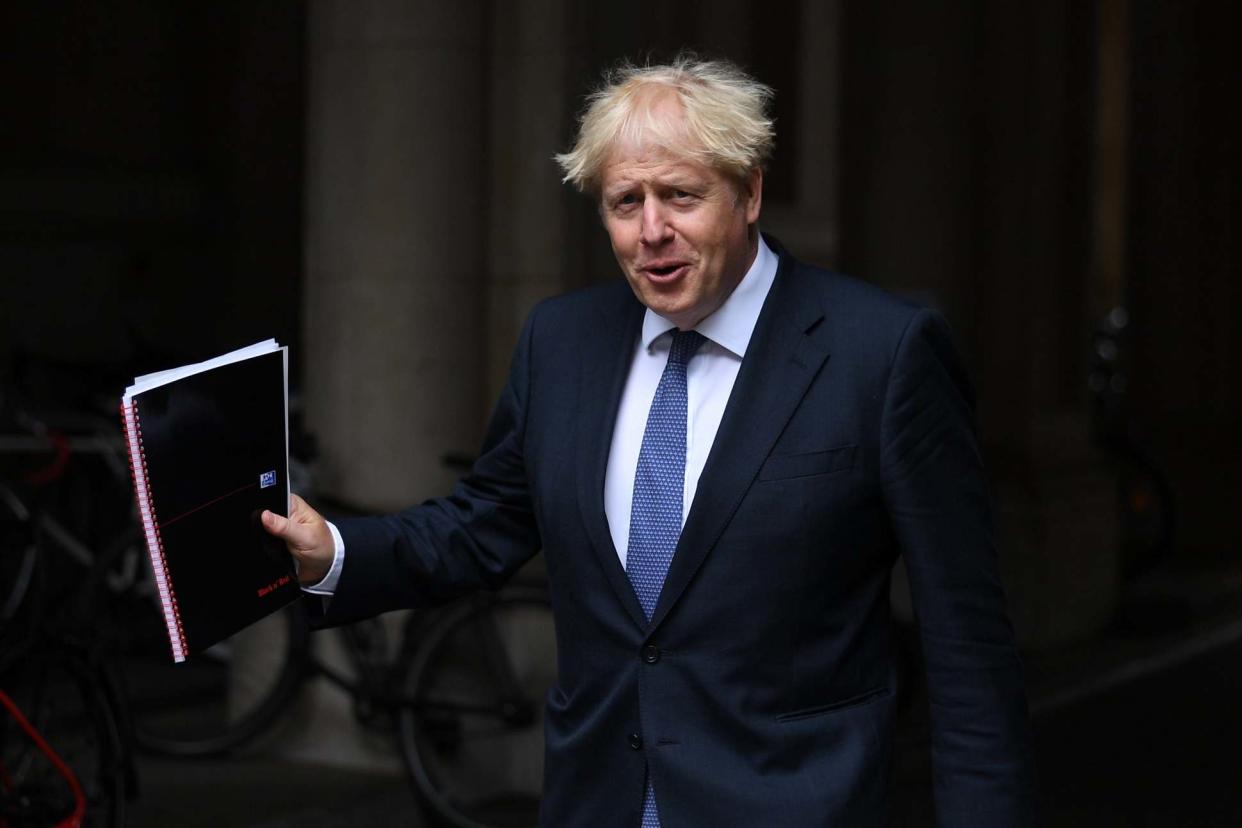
x=709, y=382
x=710, y=375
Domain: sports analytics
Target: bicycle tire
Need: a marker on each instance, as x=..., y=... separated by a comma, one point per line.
x=62, y=696
x=473, y=762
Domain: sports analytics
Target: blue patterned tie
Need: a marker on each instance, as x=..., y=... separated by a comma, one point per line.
x=659, y=485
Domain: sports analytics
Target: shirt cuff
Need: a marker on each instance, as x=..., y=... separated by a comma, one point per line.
x=327, y=586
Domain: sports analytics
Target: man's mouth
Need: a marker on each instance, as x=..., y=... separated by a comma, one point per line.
x=664, y=271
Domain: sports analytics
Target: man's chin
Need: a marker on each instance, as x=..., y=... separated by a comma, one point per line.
x=680, y=315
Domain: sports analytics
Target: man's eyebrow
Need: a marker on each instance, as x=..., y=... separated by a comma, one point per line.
x=682, y=177
x=620, y=185
x=672, y=180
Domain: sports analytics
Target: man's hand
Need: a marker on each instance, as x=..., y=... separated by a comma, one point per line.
x=306, y=534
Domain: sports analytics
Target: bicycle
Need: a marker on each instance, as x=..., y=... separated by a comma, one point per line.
x=64, y=755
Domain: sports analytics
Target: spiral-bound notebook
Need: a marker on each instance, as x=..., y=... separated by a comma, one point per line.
x=208, y=445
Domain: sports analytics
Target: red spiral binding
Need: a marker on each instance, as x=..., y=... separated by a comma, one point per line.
x=151, y=529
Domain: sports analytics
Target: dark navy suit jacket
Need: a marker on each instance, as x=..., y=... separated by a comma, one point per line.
x=763, y=686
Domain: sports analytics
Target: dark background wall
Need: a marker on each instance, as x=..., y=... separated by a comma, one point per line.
x=150, y=183
x=1184, y=259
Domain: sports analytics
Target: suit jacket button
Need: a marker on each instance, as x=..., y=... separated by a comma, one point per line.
x=636, y=741
x=651, y=654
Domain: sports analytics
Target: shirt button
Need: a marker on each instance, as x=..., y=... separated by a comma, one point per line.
x=636, y=741
x=651, y=654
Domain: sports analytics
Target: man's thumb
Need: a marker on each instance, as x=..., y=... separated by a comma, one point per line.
x=275, y=524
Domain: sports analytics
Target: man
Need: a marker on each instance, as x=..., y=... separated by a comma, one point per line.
x=721, y=463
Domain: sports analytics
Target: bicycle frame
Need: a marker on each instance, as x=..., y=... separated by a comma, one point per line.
x=75, y=787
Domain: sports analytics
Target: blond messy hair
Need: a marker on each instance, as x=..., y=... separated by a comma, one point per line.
x=726, y=124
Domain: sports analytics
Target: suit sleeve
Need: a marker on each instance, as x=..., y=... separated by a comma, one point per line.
x=474, y=538
x=938, y=500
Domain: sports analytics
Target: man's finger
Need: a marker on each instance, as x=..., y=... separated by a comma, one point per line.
x=299, y=510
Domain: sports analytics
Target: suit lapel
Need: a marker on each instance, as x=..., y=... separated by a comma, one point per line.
x=605, y=362
x=786, y=352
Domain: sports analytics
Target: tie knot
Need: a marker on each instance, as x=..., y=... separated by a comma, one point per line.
x=685, y=344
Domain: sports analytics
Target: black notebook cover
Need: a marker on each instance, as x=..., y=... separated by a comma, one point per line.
x=213, y=451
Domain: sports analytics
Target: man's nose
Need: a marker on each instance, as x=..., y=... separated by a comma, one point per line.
x=655, y=225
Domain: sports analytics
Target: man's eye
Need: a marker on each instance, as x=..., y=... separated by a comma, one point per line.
x=682, y=195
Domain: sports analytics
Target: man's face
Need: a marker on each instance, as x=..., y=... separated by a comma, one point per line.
x=679, y=230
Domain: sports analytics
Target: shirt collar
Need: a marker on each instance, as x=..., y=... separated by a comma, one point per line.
x=731, y=325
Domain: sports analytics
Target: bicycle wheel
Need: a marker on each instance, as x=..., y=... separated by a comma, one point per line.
x=60, y=696
x=217, y=700
x=472, y=735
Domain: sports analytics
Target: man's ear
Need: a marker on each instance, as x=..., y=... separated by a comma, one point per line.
x=752, y=194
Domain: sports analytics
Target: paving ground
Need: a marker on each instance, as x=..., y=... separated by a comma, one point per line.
x=265, y=793
x=1140, y=729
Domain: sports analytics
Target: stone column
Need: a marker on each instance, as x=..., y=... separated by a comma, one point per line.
x=530, y=115
x=394, y=316
x=396, y=231
x=1055, y=491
